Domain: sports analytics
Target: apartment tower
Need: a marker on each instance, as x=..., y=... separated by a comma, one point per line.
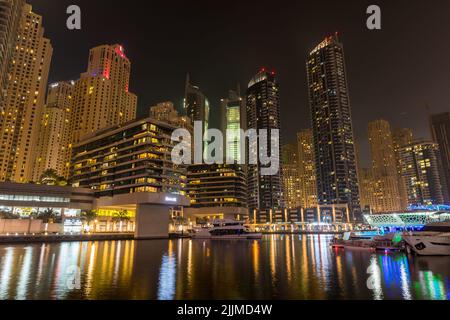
x=263, y=112
x=53, y=145
x=384, y=166
x=336, y=172
x=307, y=168
x=25, y=98
x=101, y=96
x=10, y=14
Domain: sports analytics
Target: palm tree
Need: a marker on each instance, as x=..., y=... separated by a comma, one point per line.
x=88, y=216
x=51, y=178
x=7, y=215
x=48, y=216
x=121, y=216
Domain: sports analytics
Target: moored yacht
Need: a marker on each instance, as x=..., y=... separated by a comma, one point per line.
x=226, y=229
x=433, y=240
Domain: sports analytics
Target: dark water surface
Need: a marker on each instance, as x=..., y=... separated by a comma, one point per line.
x=277, y=267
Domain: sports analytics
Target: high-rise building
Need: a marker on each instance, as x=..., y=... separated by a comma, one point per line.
x=10, y=13
x=53, y=144
x=291, y=176
x=337, y=180
x=101, y=96
x=196, y=105
x=24, y=102
x=111, y=62
x=232, y=116
x=128, y=158
x=217, y=190
x=401, y=137
x=384, y=167
x=420, y=171
x=369, y=192
x=165, y=111
x=307, y=169
x=440, y=128
x=263, y=112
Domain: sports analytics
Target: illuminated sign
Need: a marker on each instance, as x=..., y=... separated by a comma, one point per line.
x=171, y=199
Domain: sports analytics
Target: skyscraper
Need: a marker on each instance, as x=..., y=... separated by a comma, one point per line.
x=420, y=171
x=101, y=96
x=337, y=181
x=220, y=190
x=307, y=168
x=111, y=62
x=53, y=144
x=165, y=112
x=196, y=105
x=369, y=190
x=24, y=103
x=10, y=14
x=401, y=137
x=232, y=118
x=263, y=112
x=440, y=129
x=291, y=176
x=384, y=166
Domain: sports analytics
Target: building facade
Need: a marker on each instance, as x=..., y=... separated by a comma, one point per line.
x=440, y=129
x=384, y=167
x=101, y=96
x=401, y=138
x=263, y=112
x=336, y=170
x=165, y=112
x=24, y=103
x=307, y=168
x=10, y=14
x=233, y=120
x=291, y=177
x=369, y=201
x=196, y=104
x=127, y=159
x=53, y=144
x=217, y=190
x=421, y=173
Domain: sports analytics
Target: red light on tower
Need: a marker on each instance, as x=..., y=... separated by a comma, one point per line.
x=263, y=69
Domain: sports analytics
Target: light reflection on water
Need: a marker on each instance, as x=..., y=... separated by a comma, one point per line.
x=277, y=267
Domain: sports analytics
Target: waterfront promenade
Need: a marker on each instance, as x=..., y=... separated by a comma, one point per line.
x=49, y=238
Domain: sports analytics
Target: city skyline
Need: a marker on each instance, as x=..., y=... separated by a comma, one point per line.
x=287, y=167
x=367, y=60
x=101, y=100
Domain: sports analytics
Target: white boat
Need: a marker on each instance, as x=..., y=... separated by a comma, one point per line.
x=368, y=240
x=433, y=240
x=226, y=229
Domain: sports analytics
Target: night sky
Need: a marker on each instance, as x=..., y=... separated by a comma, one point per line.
x=393, y=73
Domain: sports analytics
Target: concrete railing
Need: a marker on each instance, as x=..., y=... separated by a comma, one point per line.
x=28, y=226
